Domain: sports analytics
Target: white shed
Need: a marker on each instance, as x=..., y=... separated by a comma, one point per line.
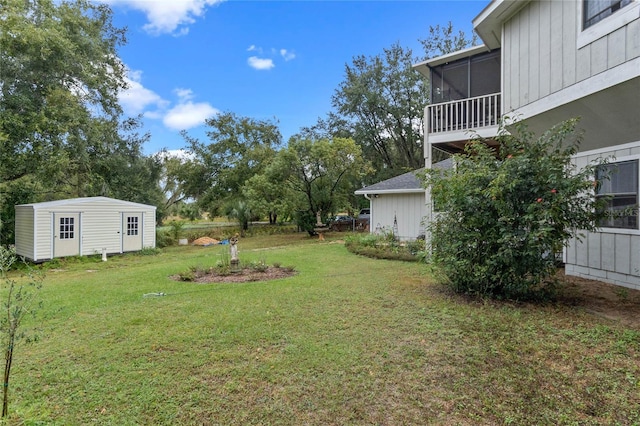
x=83, y=227
x=398, y=205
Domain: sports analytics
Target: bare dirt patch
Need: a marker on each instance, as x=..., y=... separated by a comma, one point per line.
x=241, y=276
x=603, y=299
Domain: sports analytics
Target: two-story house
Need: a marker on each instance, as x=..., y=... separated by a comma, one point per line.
x=544, y=62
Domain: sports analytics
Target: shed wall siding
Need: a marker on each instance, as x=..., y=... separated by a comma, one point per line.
x=100, y=227
x=149, y=229
x=609, y=255
x=408, y=209
x=541, y=54
x=44, y=234
x=24, y=232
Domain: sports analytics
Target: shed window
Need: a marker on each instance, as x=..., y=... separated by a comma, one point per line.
x=596, y=10
x=132, y=225
x=618, y=182
x=67, y=228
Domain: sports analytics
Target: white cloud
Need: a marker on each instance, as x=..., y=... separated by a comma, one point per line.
x=188, y=114
x=185, y=114
x=287, y=55
x=169, y=16
x=137, y=98
x=183, y=94
x=181, y=154
x=260, y=63
x=267, y=63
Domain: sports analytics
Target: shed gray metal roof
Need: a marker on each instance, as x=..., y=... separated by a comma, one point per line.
x=70, y=201
x=403, y=184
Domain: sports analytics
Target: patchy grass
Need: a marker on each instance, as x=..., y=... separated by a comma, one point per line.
x=349, y=340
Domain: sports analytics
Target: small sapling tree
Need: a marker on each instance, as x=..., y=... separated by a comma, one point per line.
x=19, y=300
x=505, y=212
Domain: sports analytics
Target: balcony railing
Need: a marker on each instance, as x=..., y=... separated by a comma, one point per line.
x=465, y=114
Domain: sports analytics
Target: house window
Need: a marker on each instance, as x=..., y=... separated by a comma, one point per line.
x=67, y=228
x=618, y=182
x=596, y=10
x=132, y=225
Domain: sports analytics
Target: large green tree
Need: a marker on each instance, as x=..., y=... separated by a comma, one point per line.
x=238, y=148
x=381, y=103
x=268, y=197
x=319, y=175
x=59, y=77
x=445, y=39
x=383, y=100
x=62, y=133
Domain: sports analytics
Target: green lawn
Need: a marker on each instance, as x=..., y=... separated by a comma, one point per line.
x=349, y=340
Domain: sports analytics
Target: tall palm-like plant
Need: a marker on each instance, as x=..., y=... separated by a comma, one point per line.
x=239, y=210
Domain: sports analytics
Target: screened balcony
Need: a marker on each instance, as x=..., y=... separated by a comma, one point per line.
x=465, y=93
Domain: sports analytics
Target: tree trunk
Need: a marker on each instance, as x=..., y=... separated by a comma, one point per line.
x=7, y=372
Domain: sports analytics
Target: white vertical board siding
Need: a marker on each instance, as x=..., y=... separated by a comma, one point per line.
x=541, y=54
x=409, y=210
x=609, y=255
x=24, y=228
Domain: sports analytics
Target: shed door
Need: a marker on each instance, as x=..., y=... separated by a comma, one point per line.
x=66, y=234
x=131, y=231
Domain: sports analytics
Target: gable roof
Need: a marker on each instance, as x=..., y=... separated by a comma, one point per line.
x=73, y=201
x=404, y=184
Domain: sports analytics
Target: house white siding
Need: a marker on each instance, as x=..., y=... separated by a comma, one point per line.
x=611, y=255
x=98, y=225
x=543, y=52
x=407, y=210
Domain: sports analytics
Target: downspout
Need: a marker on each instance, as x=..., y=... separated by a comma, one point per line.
x=370, y=216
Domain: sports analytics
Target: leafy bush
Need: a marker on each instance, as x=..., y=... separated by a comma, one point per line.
x=384, y=246
x=258, y=266
x=164, y=238
x=177, y=226
x=149, y=251
x=306, y=221
x=506, y=212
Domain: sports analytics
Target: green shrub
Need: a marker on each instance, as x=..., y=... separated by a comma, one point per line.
x=384, y=246
x=258, y=266
x=164, y=238
x=506, y=212
x=187, y=276
x=176, y=228
x=149, y=251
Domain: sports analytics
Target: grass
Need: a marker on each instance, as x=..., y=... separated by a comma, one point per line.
x=349, y=340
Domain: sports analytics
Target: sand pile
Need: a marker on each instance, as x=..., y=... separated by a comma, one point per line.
x=205, y=241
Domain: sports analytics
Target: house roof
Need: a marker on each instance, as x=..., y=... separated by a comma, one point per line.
x=423, y=67
x=404, y=184
x=70, y=201
x=488, y=24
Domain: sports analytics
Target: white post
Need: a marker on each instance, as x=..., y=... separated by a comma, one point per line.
x=104, y=254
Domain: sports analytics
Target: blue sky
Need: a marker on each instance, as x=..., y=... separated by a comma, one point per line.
x=280, y=60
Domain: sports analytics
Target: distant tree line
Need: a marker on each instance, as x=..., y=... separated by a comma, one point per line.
x=63, y=133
